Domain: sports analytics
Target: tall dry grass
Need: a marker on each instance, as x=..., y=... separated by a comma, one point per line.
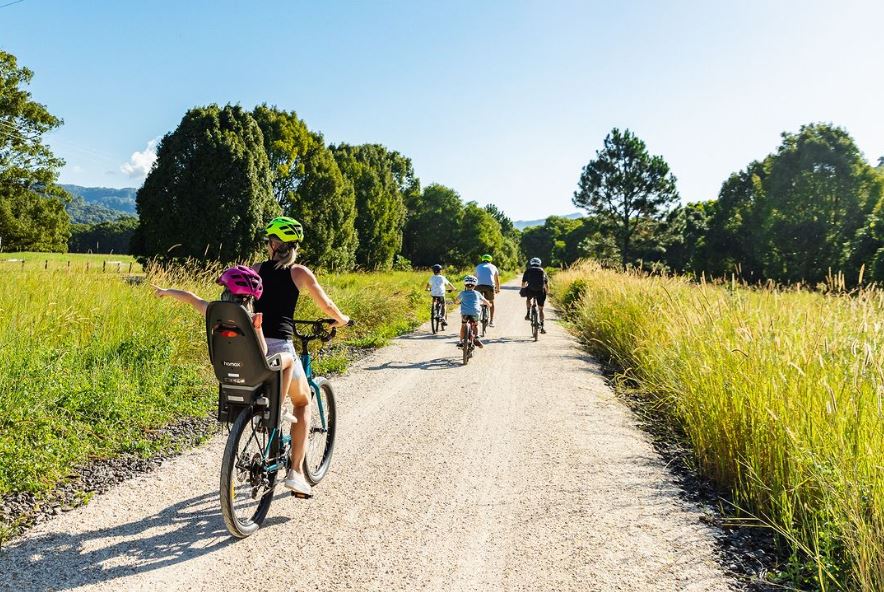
x=778, y=391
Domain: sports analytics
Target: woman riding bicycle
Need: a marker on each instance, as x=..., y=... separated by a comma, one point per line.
x=283, y=281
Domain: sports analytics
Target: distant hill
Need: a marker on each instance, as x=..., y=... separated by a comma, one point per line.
x=83, y=212
x=523, y=224
x=122, y=200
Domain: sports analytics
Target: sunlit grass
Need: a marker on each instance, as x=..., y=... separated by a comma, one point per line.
x=779, y=393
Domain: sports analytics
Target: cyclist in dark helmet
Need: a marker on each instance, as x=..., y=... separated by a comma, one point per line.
x=535, y=284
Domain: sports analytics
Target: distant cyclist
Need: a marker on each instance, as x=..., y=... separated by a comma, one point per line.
x=535, y=284
x=489, y=283
x=438, y=284
x=471, y=302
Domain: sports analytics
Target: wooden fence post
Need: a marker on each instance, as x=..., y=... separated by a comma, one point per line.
x=103, y=266
x=23, y=264
x=69, y=264
x=130, y=267
x=87, y=266
x=46, y=264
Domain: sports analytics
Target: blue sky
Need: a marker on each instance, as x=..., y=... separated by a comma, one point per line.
x=504, y=101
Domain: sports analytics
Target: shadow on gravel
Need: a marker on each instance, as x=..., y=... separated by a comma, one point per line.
x=425, y=336
x=435, y=364
x=60, y=561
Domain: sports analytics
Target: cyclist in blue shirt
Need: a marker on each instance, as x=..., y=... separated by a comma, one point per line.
x=470, y=308
x=488, y=283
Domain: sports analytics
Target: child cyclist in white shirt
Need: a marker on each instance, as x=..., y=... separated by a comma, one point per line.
x=438, y=285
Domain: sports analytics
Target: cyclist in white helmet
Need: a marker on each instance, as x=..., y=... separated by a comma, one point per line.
x=535, y=284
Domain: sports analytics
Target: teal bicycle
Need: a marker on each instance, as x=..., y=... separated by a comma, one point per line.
x=250, y=402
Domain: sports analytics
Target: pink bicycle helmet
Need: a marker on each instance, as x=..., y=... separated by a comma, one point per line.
x=242, y=281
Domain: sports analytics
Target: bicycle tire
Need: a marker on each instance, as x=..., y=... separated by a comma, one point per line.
x=484, y=319
x=434, y=317
x=253, y=515
x=317, y=460
x=467, y=344
x=535, y=324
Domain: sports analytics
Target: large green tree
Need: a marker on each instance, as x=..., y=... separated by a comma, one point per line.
x=818, y=191
x=309, y=186
x=379, y=177
x=32, y=215
x=209, y=192
x=432, y=230
x=479, y=234
x=625, y=187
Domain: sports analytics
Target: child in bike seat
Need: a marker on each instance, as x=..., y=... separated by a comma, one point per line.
x=242, y=285
x=471, y=303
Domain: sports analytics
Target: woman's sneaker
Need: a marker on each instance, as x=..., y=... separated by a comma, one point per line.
x=297, y=483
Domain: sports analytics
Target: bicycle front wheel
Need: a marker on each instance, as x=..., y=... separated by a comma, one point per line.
x=321, y=439
x=246, y=486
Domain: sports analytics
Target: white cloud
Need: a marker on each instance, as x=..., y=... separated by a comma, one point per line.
x=140, y=162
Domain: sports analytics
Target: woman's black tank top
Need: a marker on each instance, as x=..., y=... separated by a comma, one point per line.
x=278, y=301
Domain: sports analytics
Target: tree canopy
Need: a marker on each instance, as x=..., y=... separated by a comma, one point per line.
x=32, y=215
x=209, y=192
x=625, y=187
x=379, y=178
x=309, y=186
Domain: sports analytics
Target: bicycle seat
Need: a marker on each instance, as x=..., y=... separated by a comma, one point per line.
x=240, y=366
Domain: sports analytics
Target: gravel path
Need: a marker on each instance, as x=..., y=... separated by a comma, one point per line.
x=521, y=471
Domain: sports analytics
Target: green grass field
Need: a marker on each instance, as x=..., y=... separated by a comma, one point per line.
x=780, y=393
x=89, y=362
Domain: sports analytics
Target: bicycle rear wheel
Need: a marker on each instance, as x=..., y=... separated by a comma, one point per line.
x=321, y=439
x=467, y=343
x=535, y=324
x=434, y=317
x=246, y=487
x=484, y=319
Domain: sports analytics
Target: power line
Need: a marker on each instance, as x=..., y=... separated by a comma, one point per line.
x=11, y=3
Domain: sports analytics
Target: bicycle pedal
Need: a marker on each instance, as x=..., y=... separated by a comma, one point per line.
x=300, y=495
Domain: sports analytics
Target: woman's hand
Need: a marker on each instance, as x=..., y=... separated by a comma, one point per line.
x=257, y=320
x=159, y=292
x=342, y=322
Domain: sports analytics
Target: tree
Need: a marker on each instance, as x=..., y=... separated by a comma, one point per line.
x=818, y=192
x=32, y=215
x=209, y=192
x=112, y=236
x=735, y=226
x=380, y=205
x=687, y=228
x=623, y=185
x=479, y=234
x=432, y=231
x=309, y=186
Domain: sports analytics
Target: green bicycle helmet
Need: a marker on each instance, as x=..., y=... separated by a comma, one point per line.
x=486, y=258
x=286, y=229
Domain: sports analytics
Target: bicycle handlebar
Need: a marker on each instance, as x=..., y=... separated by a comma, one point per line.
x=319, y=331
